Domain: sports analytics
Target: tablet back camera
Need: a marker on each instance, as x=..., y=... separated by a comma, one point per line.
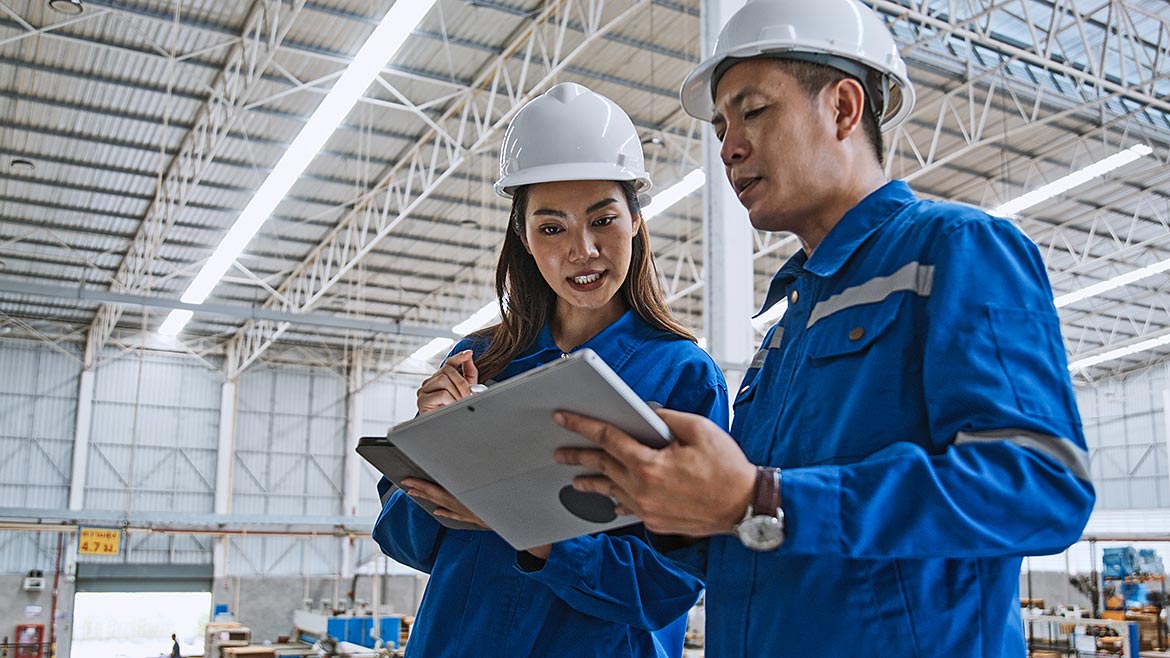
x=587, y=505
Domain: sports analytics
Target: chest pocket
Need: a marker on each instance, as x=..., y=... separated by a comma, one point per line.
x=864, y=362
x=852, y=330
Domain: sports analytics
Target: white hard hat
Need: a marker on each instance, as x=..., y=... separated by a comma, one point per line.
x=839, y=33
x=570, y=133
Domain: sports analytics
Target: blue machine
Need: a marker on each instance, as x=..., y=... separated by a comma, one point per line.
x=348, y=628
x=357, y=630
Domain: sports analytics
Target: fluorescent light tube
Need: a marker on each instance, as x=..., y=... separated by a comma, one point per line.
x=432, y=349
x=378, y=49
x=478, y=320
x=1110, y=284
x=673, y=194
x=175, y=322
x=1075, y=179
x=1143, y=346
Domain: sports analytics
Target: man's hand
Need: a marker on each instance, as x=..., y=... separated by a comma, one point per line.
x=449, y=507
x=450, y=383
x=699, y=485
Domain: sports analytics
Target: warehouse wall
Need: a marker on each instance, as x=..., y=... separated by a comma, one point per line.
x=1125, y=429
x=153, y=445
x=16, y=606
x=26, y=551
x=154, y=436
x=155, y=432
x=38, y=406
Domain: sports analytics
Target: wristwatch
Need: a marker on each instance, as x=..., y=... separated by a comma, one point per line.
x=762, y=528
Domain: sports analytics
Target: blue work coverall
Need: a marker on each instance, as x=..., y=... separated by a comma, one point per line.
x=917, y=397
x=608, y=594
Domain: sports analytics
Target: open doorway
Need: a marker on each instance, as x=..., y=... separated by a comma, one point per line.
x=138, y=624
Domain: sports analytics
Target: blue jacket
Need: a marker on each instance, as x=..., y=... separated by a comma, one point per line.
x=603, y=595
x=916, y=395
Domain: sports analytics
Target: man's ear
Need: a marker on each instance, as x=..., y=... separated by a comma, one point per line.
x=848, y=98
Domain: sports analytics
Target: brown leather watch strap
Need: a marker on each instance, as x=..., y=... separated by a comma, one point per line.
x=767, y=495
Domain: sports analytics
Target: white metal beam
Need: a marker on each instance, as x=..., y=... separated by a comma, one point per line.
x=264, y=29
x=472, y=123
x=1076, y=41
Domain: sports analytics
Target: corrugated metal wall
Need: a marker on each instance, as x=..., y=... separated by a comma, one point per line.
x=386, y=402
x=290, y=441
x=23, y=551
x=1125, y=430
x=155, y=433
x=154, y=436
x=38, y=410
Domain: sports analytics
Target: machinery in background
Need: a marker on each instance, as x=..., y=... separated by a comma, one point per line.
x=322, y=633
x=1133, y=586
x=1130, y=596
x=355, y=626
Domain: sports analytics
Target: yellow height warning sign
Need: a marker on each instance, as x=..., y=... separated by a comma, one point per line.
x=100, y=541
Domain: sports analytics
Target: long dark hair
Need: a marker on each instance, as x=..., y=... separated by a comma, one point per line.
x=527, y=301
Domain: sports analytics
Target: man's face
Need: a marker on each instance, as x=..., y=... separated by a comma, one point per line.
x=778, y=144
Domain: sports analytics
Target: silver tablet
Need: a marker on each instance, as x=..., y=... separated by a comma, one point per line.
x=494, y=450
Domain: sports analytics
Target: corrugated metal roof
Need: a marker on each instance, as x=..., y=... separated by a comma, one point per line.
x=102, y=105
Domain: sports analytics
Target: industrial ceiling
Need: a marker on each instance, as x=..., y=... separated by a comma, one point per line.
x=133, y=132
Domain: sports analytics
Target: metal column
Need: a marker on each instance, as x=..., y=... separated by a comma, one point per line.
x=355, y=413
x=224, y=454
x=1166, y=419
x=351, y=485
x=81, y=440
x=727, y=239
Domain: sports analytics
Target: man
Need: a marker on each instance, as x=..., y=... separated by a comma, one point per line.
x=908, y=430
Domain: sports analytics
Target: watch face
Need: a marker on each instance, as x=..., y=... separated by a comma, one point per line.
x=761, y=533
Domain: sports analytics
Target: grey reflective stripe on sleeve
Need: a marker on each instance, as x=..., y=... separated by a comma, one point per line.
x=915, y=277
x=1069, y=454
x=386, y=496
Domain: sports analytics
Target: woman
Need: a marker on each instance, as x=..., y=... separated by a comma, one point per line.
x=575, y=271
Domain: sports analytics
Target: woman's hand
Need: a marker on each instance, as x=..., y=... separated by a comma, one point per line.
x=450, y=383
x=448, y=506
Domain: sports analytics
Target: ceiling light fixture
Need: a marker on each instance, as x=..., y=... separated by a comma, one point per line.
x=432, y=349
x=1110, y=284
x=67, y=7
x=1075, y=179
x=483, y=317
x=673, y=194
x=176, y=320
x=1120, y=352
x=21, y=164
x=382, y=45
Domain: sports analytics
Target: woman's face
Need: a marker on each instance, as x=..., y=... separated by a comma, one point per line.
x=580, y=233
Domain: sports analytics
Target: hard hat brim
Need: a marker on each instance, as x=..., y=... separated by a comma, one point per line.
x=696, y=94
x=570, y=172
